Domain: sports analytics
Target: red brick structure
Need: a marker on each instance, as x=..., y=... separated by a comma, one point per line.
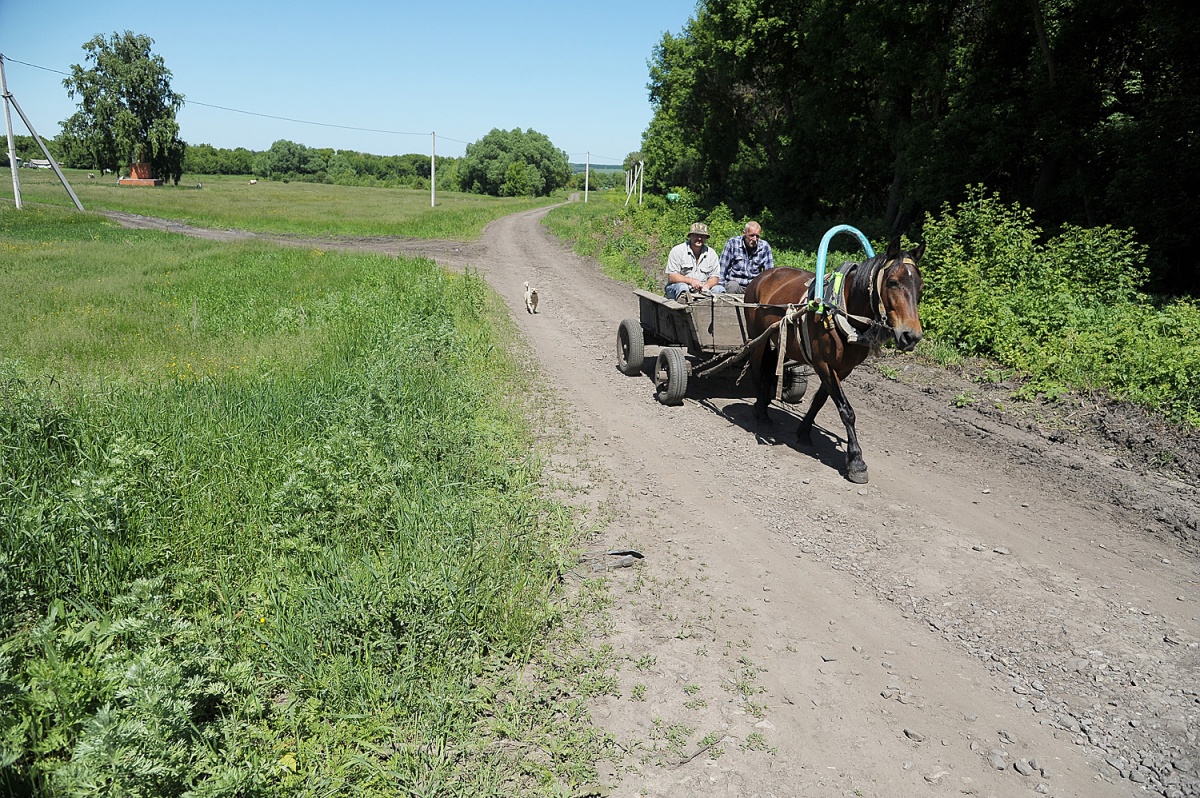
x=139, y=175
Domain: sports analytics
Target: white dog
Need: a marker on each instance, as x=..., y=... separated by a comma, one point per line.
x=531, y=299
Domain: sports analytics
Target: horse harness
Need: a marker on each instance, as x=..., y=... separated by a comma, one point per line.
x=831, y=305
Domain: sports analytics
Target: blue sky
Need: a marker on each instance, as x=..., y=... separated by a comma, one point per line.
x=458, y=68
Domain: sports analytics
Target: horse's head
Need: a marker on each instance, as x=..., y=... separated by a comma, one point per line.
x=897, y=293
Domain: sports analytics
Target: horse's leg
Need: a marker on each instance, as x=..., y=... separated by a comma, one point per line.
x=856, y=467
x=759, y=363
x=804, y=431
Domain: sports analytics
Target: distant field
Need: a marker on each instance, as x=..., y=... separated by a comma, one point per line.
x=275, y=207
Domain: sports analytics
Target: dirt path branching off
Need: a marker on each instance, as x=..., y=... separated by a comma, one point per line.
x=1009, y=607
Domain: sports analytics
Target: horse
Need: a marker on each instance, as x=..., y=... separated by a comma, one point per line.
x=878, y=300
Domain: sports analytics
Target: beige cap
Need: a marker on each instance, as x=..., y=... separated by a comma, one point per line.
x=699, y=229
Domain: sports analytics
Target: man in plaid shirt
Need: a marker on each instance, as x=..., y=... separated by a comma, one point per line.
x=744, y=258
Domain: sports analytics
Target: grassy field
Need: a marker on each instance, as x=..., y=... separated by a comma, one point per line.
x=272, y=523
x=276, y=207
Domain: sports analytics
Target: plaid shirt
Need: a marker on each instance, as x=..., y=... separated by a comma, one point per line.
x=737, y=263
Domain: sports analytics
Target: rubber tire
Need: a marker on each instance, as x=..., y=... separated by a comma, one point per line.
x=670, y=376
x=631, y=348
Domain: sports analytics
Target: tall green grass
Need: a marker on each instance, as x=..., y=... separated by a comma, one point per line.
x=310, y=209
x=271, y=524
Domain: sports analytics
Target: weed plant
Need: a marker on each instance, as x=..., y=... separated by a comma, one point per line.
x=599, y=230
x=310, y=209
x=270, y=524
x=1065, y=311
x=632, y=242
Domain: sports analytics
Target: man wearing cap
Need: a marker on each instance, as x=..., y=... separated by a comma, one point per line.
x=693, y=265
x=744, y=258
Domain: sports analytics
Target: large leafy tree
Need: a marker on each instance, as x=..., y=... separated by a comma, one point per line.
x=514, y=163
x=877, y=110
x=288, y=159
x=126, y=108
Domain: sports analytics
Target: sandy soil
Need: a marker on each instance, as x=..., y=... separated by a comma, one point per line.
x=1009, y=607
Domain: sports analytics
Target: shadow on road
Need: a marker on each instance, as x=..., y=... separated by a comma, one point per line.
x=722, y=395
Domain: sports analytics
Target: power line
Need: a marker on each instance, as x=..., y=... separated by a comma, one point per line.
x=265, y=116
x=306, y=121
x=287, y=118
x=597, y=157
x=35, y=66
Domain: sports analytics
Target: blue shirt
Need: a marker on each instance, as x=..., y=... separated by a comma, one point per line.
x=738, y=263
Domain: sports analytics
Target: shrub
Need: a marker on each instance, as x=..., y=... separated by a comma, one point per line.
x=1066, y=310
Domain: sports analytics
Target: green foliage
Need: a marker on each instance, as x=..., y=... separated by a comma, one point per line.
x=126, y=109
x=287, y=159
x=882, y=111
x=632, y=241
x=311, y=561
x=1065, y=310
x=597, y=180
x=135, y=700
x=513, y=163
x=26, y=148
x=598, y=230
x=205, y=159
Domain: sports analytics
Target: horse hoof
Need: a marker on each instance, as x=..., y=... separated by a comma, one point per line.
x=857, y=477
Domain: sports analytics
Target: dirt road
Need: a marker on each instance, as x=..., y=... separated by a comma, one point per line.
x=1009, y=607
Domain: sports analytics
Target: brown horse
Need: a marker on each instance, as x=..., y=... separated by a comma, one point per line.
x=878, y=300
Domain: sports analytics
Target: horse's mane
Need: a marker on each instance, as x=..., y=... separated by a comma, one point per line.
x=860, y=278
x=860, y=281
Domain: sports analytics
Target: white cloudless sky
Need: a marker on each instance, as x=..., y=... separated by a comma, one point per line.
x=575, y=71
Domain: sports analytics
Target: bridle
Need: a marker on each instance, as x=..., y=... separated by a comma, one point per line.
x=878, y=275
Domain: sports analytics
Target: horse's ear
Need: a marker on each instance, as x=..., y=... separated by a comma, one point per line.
x=893, y=250
x=918, y=252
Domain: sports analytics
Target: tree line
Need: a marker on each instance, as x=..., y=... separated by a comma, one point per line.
x=499, y=164
x=289, y=160
x=127, y=111
x=839, y=110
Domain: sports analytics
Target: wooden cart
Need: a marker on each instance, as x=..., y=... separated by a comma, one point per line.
x=699, y=337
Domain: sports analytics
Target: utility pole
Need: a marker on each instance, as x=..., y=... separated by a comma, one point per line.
x=587, y=169
x=12, y=147
x=433, y=170
x=8, y=98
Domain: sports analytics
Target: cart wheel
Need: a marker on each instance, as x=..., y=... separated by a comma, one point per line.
x=670, y=376
x=631, y=347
